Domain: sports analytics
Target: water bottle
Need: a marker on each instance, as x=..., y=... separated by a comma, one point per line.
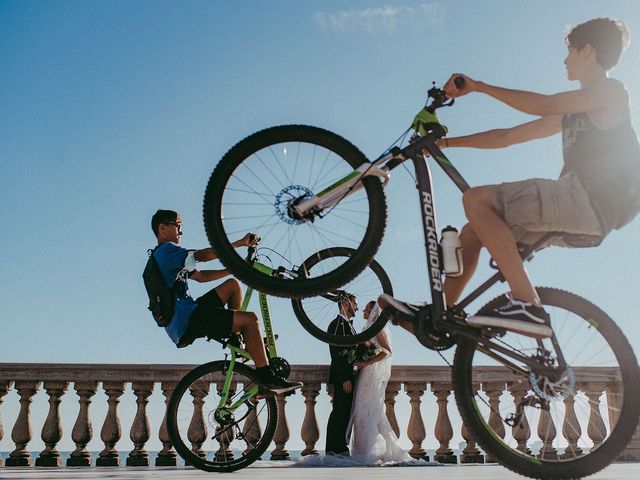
x=451, y=252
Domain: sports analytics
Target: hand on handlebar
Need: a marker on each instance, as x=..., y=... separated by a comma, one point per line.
x=459, y=85
x=249, y=240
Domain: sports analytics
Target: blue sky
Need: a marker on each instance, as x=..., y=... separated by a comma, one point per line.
x=110, y=110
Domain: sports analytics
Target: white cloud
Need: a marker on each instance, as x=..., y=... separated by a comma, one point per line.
x=384, y=19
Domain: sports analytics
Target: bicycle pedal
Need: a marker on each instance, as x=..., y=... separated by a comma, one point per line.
x=397, y=310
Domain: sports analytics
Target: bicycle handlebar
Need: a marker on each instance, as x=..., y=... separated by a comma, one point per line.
x=252, y=249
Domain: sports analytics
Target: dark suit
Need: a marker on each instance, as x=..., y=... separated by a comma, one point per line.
x=339, y=372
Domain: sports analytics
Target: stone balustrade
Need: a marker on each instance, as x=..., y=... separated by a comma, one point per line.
x=425, y=389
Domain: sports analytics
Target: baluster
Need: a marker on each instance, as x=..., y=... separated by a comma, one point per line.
x=471, y=453
x=309, y=431
x=393, y=388
x=82, y=432
x=21, y=432
x=494, y=390
x=521, y=432
x=252, y=430
x=547, y=433
x=140, y=429
x=111, y=431
x=571, y=429
x=282, y=431
x=443, y=430
x=415, y=430
x=225, y=437
x=197, y=432
x=167, y=456
x=52, y=428
x=596, y=430
x=614, y=403
x=5, y=386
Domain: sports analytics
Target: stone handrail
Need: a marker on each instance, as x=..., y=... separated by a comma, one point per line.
x=55, y=379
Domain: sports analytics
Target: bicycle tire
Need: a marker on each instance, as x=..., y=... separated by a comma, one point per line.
x=370, y=283
x=180, y=423
x=233, y=206
x=577, y=463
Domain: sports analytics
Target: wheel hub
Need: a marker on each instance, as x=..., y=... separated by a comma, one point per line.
x=286, y=199
x=222, y=417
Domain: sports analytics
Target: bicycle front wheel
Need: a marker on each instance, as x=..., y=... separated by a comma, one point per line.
x=254, y=188
x=556, y=426
x=316, y=313
x=214, y=437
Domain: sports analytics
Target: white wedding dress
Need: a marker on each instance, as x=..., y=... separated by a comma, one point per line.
x=373, y=439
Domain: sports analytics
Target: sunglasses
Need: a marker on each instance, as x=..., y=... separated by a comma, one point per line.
x=175, y=224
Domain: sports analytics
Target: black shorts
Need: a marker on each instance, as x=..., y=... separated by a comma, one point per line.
x=210, y=319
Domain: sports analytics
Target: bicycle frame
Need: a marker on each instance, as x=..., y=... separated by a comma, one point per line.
x=441, y=319
x=237, y=352
x=270, y=338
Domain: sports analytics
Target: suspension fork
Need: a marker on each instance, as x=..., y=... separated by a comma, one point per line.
x=342, y=188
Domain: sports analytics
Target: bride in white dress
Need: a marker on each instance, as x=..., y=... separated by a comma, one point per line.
x=374, y=441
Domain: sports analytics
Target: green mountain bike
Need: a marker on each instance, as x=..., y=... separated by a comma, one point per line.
x=216, y=419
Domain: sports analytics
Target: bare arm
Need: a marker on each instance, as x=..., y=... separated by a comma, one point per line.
x=598, y=97
x=208, y=254
x=504, y=137
x=208, y=275
x=383, y=341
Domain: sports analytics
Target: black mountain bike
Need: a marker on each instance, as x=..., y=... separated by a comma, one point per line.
x=311, y=190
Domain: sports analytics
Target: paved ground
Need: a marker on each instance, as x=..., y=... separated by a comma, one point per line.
x=619, y=471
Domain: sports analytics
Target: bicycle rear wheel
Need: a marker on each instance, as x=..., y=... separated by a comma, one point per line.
x=592, y=405
x=316, y=313
x=213, y=442
x=253, y=189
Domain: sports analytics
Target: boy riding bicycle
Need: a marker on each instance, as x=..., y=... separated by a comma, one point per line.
x=598, y=189
x=207, y=316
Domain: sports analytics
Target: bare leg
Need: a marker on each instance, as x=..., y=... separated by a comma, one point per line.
x=230, y=293
x=246, y=323
x=471, y=246
x=498, y=238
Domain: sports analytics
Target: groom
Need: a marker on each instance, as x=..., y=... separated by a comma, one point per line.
x=341, y=376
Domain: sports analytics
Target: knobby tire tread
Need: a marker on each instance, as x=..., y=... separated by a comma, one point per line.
x=342, y=340
x=287, y=288
x=587, y=464
x=179, y=444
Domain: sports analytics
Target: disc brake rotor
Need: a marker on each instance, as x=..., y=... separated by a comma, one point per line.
x=549, y=390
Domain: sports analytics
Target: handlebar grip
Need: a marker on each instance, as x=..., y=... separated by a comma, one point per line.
x=458, y=82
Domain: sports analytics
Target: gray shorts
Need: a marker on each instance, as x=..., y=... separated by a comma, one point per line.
x=535, y=207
